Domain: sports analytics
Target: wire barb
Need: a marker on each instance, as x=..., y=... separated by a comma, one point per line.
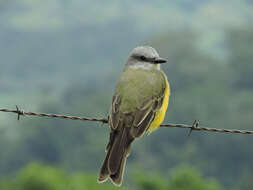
x=19, y=112
x=194, y=126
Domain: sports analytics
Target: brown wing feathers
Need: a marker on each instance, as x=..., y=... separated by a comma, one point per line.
x=125, y=127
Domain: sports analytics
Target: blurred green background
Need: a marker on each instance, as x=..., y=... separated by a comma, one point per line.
x=64, y=56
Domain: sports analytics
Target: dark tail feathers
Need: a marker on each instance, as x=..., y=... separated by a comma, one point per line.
x=117, y=151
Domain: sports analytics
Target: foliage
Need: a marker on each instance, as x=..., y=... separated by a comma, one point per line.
x=180, y=178
x=190, y=179
x=43, y=177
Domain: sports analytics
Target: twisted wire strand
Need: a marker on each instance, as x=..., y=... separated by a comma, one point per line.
x=103, y=120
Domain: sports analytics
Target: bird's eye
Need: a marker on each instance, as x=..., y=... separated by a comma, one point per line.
x=143, y=58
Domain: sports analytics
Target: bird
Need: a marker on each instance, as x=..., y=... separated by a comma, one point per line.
x=138, y=106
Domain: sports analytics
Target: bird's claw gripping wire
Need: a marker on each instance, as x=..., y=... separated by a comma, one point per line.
x=19, y=112
x=194, y=126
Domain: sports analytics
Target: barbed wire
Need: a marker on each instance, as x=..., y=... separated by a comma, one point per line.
x=195, y=126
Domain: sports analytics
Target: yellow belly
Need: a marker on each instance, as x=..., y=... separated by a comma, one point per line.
x=160, y=114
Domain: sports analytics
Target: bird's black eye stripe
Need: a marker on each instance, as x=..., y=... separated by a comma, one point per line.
x=143, y=58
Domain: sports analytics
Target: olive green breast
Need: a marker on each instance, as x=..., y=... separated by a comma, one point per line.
x=136, y=86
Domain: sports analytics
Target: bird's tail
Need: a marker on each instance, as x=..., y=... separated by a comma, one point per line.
x=117, y=149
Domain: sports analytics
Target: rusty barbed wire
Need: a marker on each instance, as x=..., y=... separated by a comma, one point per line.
x=23, y=113
x=195, y=126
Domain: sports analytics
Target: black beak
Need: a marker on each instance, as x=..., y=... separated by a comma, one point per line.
x=159, y=60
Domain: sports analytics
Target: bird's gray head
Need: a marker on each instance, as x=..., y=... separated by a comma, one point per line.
x=144, y=57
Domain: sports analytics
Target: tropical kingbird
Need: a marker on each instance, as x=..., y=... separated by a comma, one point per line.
x=139, y=105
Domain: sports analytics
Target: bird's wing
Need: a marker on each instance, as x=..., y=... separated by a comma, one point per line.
x=114, y=116
x=140, y=119
x=145, y=114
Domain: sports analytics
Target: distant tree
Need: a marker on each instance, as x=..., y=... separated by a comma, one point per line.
x=151, y=181
x=240, y=45
x=182, y=178
x=245, y=183
x=42, y=177
x=187, y=178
